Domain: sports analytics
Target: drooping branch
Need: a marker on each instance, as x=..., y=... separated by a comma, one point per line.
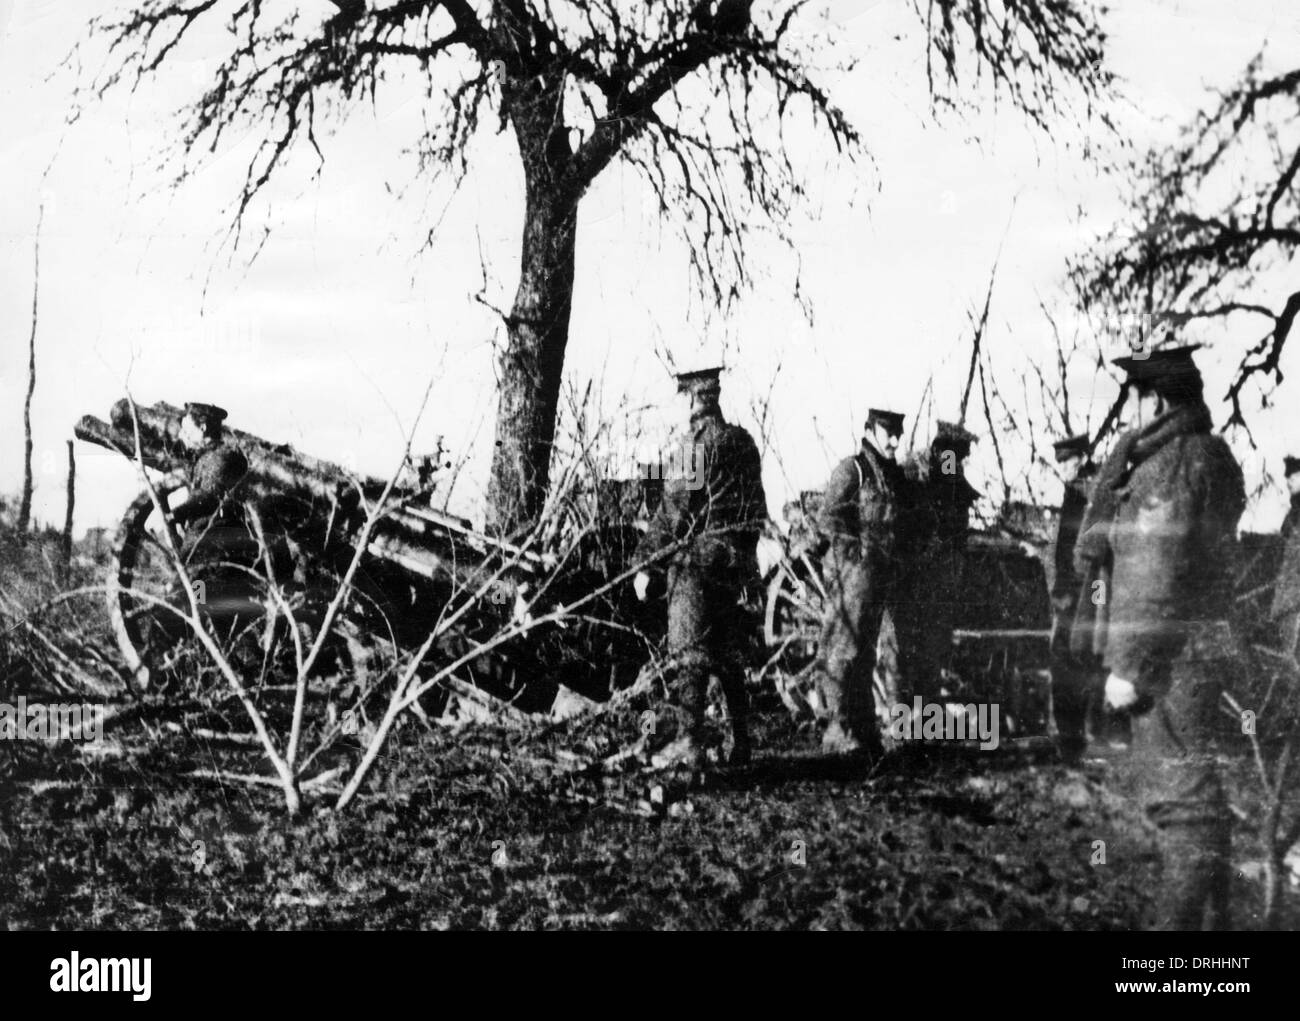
x=585, y=82
x=1208, y=217
x=701, y=97
x=1044, y=56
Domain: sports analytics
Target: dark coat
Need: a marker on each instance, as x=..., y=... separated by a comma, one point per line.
x=1065, y=578
x=938, y=505
x=860, y=506
x=215, y=473
x=721, y=512
x=1092, y=555
x=1163, y=522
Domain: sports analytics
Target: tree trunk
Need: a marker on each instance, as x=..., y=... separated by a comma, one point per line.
x=72, y=501
x=25, y=507
x=1274, y=872
x=532, y=365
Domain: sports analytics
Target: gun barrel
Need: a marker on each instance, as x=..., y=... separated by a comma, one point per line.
x=274, y=468
x=420, y=539
x=96, y=431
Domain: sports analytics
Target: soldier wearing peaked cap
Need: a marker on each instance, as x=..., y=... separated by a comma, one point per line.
x=216, y=467
x=857, y=527
x=954, y=496
x=1071, y=448
x=1075, y=679
x=1285, y=611
x=216, y=543
x=954, y=434
x=711, y=513
x=890, y=421
x=1159, y=538
x=939, y=503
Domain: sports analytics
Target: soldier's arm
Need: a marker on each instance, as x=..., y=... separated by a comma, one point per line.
x=838, y=515
x=751, y=474
x=1093, y=543
x=1188, y=541
x=673, y=519
x=216, y=473
x=1064, y=579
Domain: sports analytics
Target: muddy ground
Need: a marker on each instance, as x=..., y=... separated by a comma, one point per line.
x=488, y=827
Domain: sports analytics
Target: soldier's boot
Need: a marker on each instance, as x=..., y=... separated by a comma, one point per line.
x=853, y=728
x=686, y=753
x=686, y=747
x=732, y=681
x=846, y=677
x=1070, y=698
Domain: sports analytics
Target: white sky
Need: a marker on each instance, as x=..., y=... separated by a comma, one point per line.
x=330, y=336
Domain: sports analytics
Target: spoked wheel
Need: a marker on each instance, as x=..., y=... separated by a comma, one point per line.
x=237, y=603
x=792, y=630
x=796, y=597
x=148, y=603
x=793, y=615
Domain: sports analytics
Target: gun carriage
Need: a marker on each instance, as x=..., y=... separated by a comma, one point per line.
x=1001, y=611
x=298, y=522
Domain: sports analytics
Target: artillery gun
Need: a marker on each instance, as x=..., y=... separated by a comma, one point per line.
x=302, y=518
x=1002, y=616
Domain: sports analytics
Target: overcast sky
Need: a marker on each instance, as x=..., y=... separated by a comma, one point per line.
x=329, y=337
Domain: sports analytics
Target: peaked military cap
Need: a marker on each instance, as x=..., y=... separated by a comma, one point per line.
x=1290, y=464
x=892, y=421
x=1071, y=446
x=208, y=413
x=700, y=381
x=951, y=436
x=1164, y=363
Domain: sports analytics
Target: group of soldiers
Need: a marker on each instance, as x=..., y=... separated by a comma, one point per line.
x=1141, y=588
x=891, y=539
x=1141, y=591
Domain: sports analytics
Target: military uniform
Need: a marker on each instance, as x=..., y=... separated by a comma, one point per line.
x=214, y=473
x=1076, y=679
x=939, y=500
x=857, y=525
x=216, y=469
x=1172, y=500
x=216, y=533
x=717, y=518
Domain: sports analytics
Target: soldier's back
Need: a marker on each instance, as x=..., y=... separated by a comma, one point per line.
x=217, y=470
x=732, y=483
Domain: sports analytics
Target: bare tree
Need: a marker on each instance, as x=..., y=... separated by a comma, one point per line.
x=581, y=83
x=1208, y=216
x=66, y=548
x=25, y=507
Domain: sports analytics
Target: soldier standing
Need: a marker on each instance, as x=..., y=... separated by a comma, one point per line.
x=951, y=495
x=857, y=525
x=939, y=502
x=1285, y=611
x=1074, y=678
x=711, y=513
x=1171, y=495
